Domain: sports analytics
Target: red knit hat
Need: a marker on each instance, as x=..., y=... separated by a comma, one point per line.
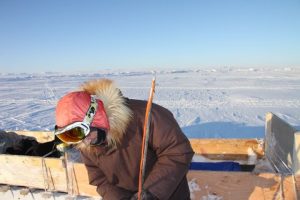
x=73, y=107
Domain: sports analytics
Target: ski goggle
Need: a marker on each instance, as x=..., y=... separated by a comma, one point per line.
x=76, y=132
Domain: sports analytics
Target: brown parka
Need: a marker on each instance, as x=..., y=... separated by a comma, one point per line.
x=115, y=170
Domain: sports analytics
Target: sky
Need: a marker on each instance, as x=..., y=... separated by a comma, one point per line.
x=61, y=35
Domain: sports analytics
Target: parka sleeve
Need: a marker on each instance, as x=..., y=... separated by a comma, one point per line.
x=106, y=190
x=174, y=154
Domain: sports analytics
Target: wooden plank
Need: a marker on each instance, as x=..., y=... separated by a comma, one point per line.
x=28, y=171
x=297, y=185
x=240, y=185
x=41, y=136
x=228, y=149
x=82, y=181
x=214, y=149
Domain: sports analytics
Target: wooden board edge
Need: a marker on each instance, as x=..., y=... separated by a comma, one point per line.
x=240, y=184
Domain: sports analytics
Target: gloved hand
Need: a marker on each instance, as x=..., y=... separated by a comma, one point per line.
x=144, y=196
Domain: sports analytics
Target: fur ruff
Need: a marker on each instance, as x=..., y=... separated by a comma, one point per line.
x=118, y=113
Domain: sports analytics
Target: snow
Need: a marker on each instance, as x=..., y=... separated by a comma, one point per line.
x=217, y=102
x=252, y=157
x=193, y=187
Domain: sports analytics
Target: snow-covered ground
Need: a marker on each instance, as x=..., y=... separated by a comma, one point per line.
x=223, y=102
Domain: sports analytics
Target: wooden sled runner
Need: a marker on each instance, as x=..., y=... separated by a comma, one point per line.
x=281, y=146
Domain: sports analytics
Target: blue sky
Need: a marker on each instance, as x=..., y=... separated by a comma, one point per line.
x=62, y=35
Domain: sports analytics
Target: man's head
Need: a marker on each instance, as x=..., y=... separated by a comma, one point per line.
x=112, y=114
x=81, y=117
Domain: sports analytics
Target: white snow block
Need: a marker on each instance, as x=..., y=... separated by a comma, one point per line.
x=296, y=155
x=282, y=145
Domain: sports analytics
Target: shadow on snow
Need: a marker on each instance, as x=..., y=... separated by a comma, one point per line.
x=223, y=130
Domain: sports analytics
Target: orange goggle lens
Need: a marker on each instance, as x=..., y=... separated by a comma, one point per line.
x=73, y=135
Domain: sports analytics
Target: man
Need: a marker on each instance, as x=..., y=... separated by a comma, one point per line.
x=108, y=130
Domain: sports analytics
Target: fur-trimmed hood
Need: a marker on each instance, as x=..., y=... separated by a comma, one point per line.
x=117, y=111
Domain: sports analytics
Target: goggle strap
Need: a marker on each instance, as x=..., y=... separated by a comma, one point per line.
x=89, y=116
